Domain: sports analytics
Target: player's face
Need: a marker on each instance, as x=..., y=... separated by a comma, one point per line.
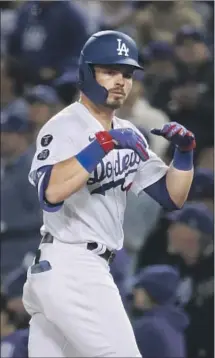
x=117, y=80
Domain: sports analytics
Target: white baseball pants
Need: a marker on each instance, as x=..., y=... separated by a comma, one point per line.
x=76, y=308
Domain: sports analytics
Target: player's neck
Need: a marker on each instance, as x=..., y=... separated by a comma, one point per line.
x=102, y=114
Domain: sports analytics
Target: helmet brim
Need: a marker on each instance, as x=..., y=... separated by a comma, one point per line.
x=120, y=61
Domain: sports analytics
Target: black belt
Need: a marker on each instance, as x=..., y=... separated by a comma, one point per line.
x=107, y=255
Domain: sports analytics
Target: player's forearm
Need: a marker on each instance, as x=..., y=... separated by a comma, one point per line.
x=71, y=175
x=67, y=177
x=179, y=178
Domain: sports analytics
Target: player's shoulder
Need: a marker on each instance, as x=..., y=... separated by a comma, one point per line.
x=59, y=122
x=124, y=123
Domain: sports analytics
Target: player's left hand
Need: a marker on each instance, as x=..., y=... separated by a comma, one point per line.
x=128, y=138
x=178, y=135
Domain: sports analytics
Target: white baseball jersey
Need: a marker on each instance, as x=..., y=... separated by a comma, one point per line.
x=95, y=212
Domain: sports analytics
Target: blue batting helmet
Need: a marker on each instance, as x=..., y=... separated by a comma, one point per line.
x=104, y=48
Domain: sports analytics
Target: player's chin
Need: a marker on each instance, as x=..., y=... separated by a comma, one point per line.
x=115, y=103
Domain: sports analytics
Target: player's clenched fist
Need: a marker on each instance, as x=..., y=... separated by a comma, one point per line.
x=178, y=135
x=123, y=138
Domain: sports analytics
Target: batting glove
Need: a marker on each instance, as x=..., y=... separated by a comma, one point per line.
x=121, y=139
x=178, y=135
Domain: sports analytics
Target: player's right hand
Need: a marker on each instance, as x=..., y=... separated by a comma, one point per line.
x=127, y=138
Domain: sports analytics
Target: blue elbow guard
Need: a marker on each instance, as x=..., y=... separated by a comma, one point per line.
x=44, y=174
x=158, y=191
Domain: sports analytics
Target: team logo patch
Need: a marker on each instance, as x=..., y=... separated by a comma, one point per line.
x=43, y=155
x=46, y=140
x=122, y=49
x=91, y=137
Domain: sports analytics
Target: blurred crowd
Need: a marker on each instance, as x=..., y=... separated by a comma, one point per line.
x=40, y=46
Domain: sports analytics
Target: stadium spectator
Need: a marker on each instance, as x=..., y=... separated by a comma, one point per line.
x=204, y=9
x=20, y=211
x=117, y=15
x=93, y=9
x=196, y=251
x=8, y=21
x=202, y=189
x=45, y=39
x=43, y=104
x=12, y=286
x=66, y=86
x=159, y=331
x=161, y=19
x=105, y=15
x=206, y=158
x=14, y=343
x=10, y=98
x=190, y=98
x=158, y=65
x=186, y=242
x=120, y=269
x=7, y=92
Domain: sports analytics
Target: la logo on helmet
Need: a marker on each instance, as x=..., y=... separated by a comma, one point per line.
x=122, y=49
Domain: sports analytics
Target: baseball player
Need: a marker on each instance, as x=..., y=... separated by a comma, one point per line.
x=85, y=162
